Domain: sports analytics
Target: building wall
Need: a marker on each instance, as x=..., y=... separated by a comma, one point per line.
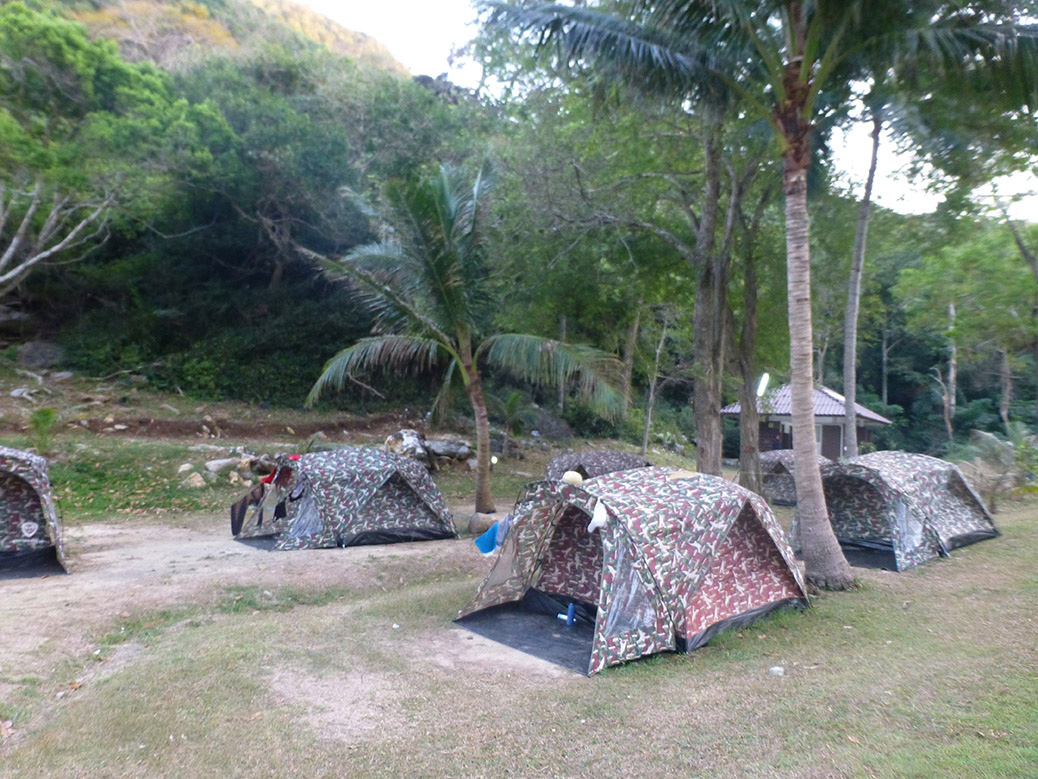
x=774, y=435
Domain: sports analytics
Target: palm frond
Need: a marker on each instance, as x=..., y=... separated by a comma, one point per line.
x=540, y=360
x=392, y=296
x=397, y=353
x=442, y=218
x=984, y=57
x=643, y=53
x=448, y=391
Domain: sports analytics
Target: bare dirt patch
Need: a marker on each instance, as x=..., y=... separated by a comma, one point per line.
x=122, y=570
x=121, y=409
x=225, y=426
x=346, y=707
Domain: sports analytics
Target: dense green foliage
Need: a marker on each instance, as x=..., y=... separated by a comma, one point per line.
x=215, y=141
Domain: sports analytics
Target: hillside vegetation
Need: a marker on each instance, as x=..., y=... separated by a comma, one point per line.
x=173, y=34
x=197, y=156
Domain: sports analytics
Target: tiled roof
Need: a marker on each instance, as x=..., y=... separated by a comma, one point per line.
x=828, y=403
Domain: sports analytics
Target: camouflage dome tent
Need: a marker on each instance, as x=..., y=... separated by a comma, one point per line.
x=776, y=469
x=672, y=557
x=347, y=497
x=912, y=505
x=30, y=530
x=593, y=463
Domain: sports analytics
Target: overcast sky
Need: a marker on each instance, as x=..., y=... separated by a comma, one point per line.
x=421, y=34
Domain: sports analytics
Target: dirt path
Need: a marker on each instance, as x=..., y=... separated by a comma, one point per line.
x=122, y=570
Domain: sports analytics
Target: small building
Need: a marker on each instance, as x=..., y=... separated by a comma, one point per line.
x=776, y=420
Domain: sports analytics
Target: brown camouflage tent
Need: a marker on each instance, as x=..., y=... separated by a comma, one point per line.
x=639, y=561
x=776, y=470
x=593, y=462
x=346, y=497
x=914, y=506
x=30, y=531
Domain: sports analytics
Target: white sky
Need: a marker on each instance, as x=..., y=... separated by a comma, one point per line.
x=422, y=33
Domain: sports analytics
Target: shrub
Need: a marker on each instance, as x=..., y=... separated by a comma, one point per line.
x=41, y=425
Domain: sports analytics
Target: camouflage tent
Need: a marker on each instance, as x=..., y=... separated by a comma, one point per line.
x=915, y=506
x=29, y=525
x=594, y=462
x=776, y=470
x=347, y=497
x=640, y=561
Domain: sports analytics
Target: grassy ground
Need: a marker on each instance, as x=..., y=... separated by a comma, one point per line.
x=932, y=672
x=926, y=673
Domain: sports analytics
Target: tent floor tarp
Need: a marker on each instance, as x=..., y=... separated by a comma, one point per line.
x=35, y=563
x=874, y=555
x=532, y=625
x=865, y=557
x=965, y=539
x=258, y=542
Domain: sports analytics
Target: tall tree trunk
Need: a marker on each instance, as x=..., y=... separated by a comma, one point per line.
x=884, y=368
x=850, y=323
x=1032, y=260
x=945, y=404
x=484, y=500
x=953, y=374
x=749, y=420
x=1006, y=382
x=650, y=404
x=824, y=563
x=562, y=385
x=706, y=396
x=749, y=435
x=630, y=346
x=277, y=274
x=823, y=352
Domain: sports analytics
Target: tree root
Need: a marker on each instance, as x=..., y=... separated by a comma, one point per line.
x=833, y=582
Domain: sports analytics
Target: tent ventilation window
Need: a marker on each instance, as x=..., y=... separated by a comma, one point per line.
x=630, y=608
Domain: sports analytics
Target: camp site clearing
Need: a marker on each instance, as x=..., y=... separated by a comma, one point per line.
x=172, y=650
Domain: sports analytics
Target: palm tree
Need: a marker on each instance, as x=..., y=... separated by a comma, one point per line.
x=782, y=59
x=428, y=288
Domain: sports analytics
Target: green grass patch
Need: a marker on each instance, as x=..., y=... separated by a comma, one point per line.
x=241, y=599
x=927, y=673
x=146, y=627
x=132, y=478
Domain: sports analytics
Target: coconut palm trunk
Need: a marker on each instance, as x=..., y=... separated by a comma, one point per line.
x=474, y=387
x=824, y=563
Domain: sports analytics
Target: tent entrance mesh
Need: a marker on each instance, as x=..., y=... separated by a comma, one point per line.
x=570, y=562
x=858, y=513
